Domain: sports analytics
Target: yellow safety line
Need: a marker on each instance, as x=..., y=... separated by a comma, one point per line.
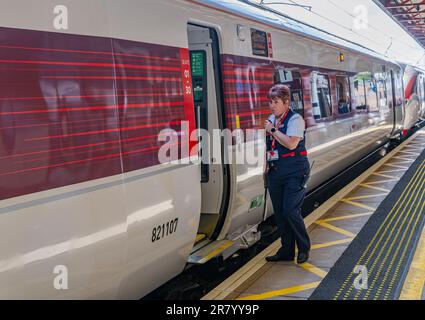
x=313, y=269
x=383, y=175
x=216, y=251
x=331, y=244
x=406, y=247
x=414, y=284
x=366, y=197
x=408, y=210
x=282, y=292
x=364, y=185
x=336, y=229
x=351, y=216
x=390, y=217
x=200, y=237
x=380, y=251
x=360, y=205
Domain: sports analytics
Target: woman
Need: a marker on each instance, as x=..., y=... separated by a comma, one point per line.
x=288, y=171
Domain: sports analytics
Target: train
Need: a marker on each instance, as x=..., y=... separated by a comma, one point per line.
x=87, y=210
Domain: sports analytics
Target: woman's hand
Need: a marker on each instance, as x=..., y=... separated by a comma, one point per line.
x=268, y=126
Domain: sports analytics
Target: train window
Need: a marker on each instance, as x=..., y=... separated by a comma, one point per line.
x=372, y=97
x=398, y=89
x=381, y=87
x=293, y=79
x=389, y=88
x=321, y=96
x=198, y=64
x=343, y=94
x=359, y=92
x=297, y=98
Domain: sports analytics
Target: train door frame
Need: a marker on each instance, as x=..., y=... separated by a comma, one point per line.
x=394, y=99
x=221, y=120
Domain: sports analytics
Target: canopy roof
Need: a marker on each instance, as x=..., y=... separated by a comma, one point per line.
x=409, y=14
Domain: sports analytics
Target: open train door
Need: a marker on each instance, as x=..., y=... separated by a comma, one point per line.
x=207, y=89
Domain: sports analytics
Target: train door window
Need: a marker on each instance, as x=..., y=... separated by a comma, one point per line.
x=343, y=94
x=198, y=63
x=293, y=79
x=389, y=88
x=359, y=92
x=399, y=89
x=381, y=88
x=372, y=97
x=321, y=96
x=297, y=98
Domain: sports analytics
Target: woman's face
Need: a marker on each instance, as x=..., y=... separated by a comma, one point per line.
x=278, y=106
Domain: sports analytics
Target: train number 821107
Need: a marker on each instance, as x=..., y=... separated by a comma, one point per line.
x=165, y=230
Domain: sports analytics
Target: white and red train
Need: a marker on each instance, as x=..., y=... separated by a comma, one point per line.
x=81, y=108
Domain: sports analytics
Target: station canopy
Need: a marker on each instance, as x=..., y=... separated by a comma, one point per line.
x=409, y=14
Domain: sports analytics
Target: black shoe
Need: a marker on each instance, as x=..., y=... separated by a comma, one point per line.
x=302, y=257
x=277, y=258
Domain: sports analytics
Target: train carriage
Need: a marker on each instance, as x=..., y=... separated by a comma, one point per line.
x=87, y=90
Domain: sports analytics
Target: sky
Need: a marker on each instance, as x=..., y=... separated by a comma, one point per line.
x=361, y=21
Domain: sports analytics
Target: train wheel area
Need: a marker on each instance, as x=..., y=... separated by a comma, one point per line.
x=368, y=241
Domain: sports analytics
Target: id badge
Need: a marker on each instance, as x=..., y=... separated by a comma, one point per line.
x=273, y=155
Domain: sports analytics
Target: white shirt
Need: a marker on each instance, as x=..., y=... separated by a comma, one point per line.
x=296, y=125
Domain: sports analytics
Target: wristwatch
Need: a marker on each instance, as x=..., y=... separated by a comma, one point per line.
x=273, y=130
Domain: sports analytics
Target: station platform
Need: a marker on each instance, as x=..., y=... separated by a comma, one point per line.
x=368, y=241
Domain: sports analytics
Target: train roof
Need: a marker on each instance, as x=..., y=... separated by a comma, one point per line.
x=279, y=20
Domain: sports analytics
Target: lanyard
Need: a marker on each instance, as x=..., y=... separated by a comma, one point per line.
x=277, y=127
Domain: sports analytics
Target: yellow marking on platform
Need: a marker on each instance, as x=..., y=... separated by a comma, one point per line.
x=212, y=254
x=414, y=285
x=331, y=244
x=364, y=185
x=396, y=166
x=357, y=204
x=282, y=292
x=390, y=254
x=384, y=226
x=366, y=197
x=379, y=249
x=200, y=237
x=313, y=269
x=351, y=216
x=336, y=229
x=384, y=175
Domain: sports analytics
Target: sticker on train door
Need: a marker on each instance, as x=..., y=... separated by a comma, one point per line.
x=256, y=203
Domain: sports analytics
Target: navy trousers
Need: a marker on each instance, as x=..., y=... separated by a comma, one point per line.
x=287, y=193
